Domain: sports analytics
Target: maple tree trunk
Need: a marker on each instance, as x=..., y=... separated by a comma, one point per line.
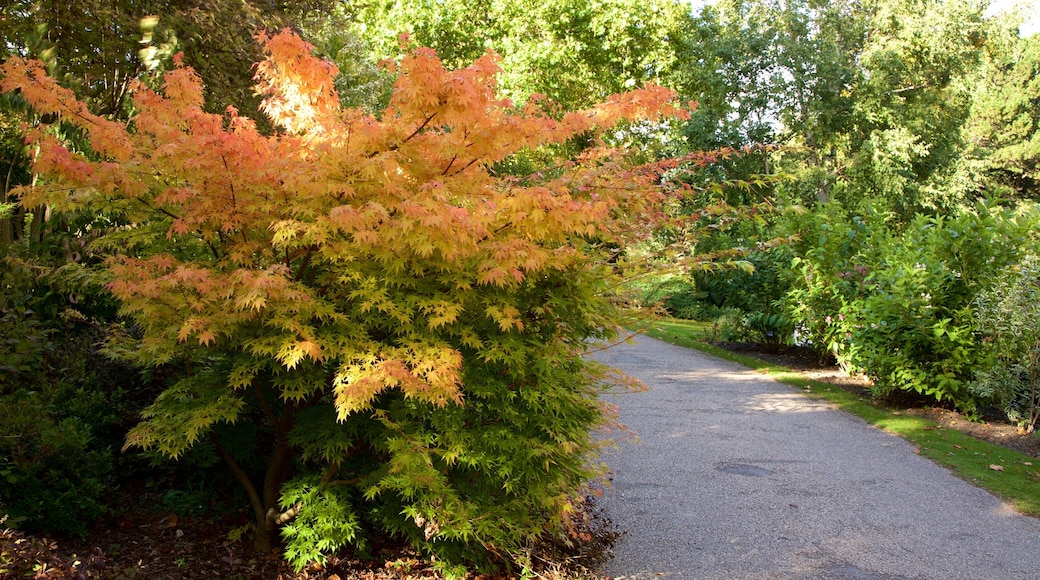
x=266, y=539
x=265, y=506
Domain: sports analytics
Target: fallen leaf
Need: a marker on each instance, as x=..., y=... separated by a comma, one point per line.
x=955, y=446
x=997, y=467
x=1029, y=463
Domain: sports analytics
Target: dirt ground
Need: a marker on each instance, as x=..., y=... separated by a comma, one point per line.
x=142, y=543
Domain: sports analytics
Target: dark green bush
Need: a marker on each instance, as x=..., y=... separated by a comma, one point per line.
x=676, y=294
x=774, y=331
x=64, y=407
x=916, y=329
x=756, y=288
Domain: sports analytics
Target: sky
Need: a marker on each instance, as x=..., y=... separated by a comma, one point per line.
x=1030, y=8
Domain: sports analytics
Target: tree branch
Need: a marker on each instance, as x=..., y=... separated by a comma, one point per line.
x=243, y=480
x=345, y=481
x=281, y=518
x=268, y=411
x=467, y=166
x=410, y=137
x=333, y=468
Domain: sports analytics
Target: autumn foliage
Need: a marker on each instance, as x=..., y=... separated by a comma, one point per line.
x=362, y=301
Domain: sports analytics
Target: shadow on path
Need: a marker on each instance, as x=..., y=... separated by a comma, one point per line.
x=738, y=476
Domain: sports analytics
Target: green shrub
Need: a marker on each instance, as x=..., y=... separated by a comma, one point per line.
x=772, y=330
x=64, y=407
x=677, y=295
x=54, y=480
x=829, y=275
x=900, y=306
x=728, y=324
x=755, y=288
x=916, y=328
x=1008, y=316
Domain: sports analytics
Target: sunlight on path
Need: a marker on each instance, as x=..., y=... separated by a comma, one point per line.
x=735, y=475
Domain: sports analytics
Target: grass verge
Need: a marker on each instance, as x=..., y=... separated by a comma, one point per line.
x=1017, y=480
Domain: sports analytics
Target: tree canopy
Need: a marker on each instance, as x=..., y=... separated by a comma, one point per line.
x=574, y=52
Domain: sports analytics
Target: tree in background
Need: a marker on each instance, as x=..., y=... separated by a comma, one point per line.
x=374, y=329
x=1004, y=131
x=913, y=101
x=574, y=52
x=867, y=99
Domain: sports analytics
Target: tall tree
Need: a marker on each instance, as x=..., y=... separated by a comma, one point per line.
x=918, y=64
x=867, y=97
x=773, y=71
x=575, y=52
x=1004, y=131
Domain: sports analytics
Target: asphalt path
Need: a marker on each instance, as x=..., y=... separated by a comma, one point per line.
x=736, y=475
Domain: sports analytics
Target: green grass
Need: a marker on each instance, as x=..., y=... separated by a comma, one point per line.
x=967, y=457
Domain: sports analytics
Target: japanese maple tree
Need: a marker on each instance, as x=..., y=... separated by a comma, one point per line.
x=362, y=300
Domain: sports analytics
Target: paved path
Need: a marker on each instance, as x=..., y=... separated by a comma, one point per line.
x=739, y=476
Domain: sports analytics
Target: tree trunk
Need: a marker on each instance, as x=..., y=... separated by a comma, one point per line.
x=265, y=506
x=265, y=539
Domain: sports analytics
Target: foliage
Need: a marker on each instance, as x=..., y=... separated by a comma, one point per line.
x=675, y=294
x=915, y=330
x=868, y=97
x=769, y=72
x=900, y=307
x=132, y=41
x=64, y=408
x=1008, y=317
x=101, y=62
x=1005, y=124
x=337, y=37
x=575, y=53
x=751, y=63
x=829, y=272
x=365, y=297
x=755, y=287
x=29, y=557
x=913, y=101
x=772, y=330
